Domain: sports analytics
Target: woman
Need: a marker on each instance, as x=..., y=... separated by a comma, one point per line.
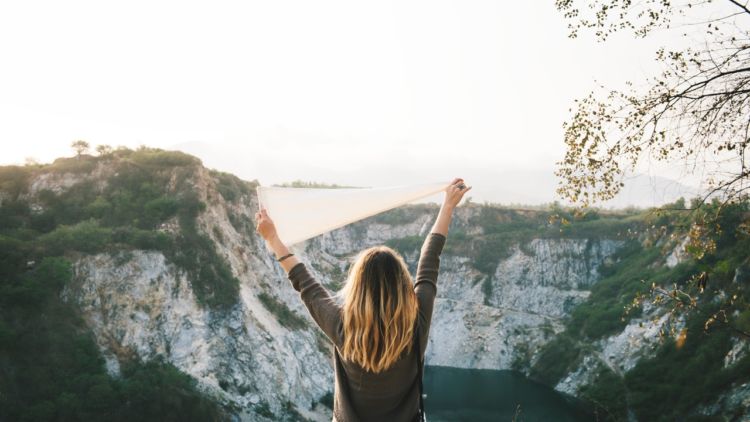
x=375, y=365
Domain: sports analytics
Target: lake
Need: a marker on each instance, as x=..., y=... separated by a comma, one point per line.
x=456, y=394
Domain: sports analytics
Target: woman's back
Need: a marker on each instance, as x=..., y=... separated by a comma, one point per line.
x=393, y=393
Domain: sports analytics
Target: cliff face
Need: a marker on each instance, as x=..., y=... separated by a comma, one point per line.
x=502, y=326
x=252, y=358
x=140, y=305
x=485, y=321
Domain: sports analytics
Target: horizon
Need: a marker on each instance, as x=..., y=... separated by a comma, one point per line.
x=615, y=205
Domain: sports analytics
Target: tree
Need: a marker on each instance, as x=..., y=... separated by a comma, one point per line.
x=103, y=150
x=696, y=111
x=80, y=147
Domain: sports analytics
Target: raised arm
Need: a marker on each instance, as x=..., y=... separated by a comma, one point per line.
x=425, y=285
x=317, y=299
x=453, y=194
x=267, y=230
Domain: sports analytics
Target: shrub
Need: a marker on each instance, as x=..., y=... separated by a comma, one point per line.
x=230, y=186
x=86, y=236
x=264, y=410
x=284, y=315
x=77, y=165
x=608, y=395
x=155, y=157
x=160, y=209
x=143, y=239
x=405, y=245
x=556, y=359
x=33, y=288
x=210, y=275
x=14, y=180
x=327, y=400
x=487, y=289
x=401, y=215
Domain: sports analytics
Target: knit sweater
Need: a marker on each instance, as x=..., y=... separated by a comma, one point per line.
x=361, y=396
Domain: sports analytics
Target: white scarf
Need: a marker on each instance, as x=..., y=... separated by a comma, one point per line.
x=302, y=213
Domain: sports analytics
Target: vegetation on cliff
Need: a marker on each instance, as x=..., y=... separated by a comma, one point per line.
x=50, y=367
x=707, y=290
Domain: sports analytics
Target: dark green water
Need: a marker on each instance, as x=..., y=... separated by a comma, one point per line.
x=482, y=395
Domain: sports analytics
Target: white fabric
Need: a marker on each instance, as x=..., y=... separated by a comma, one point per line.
x=302, y=213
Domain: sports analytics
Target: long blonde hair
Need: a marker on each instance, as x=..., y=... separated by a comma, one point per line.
x=379, y=309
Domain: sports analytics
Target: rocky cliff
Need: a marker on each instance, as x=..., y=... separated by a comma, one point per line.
x=138, y=304
x=263, y=356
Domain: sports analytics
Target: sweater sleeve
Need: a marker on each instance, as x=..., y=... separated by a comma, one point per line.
x=425, y=285
x=318, y=300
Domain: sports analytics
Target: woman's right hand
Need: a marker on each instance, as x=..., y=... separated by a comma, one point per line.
x=454, y=192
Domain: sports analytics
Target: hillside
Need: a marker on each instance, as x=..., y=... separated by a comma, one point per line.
x=133, y=286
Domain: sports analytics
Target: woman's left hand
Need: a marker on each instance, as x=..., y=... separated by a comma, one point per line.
x=265, y=225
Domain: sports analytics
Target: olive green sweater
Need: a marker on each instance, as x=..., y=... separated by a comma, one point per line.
x=391, y=395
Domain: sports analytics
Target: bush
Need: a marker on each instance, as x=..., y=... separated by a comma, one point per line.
x=406, y=245
x=264, y=410
x=157, y=391
x=284, y=315
x=13, y=214
x=143, y=239
x=52, y=370
x=14, y=180
x=13, y=254
x=77, y=165
x=493, y=248
x=33, y=288
x=677, y=379
x=556, y=359
x=230, y=186
x=608, y=394
x=327, y=400
x=155, y=157
x=401, y=215
x=604, y=311
x=86, y=236
x=210, y=275
x=487, y=289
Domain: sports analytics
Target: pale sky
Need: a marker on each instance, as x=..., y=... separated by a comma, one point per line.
x=348, y=92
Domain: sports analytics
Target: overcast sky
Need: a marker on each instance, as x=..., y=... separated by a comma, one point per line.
x=365, y=93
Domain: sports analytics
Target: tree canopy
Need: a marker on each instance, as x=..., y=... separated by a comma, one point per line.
x=80, y=146
x=696, y=112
